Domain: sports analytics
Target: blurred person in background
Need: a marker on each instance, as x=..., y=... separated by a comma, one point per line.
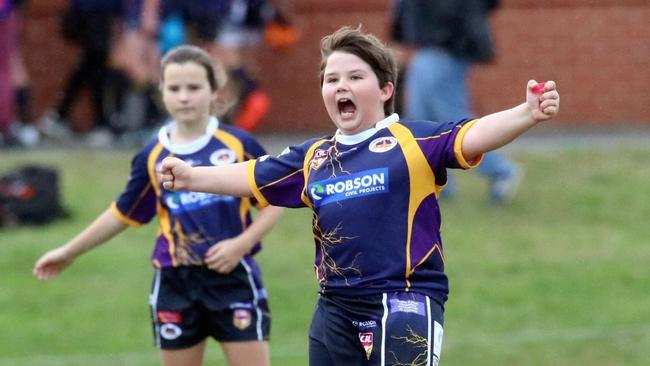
x=89, y=24
x=164, y=25
x=23, y=128
x=440, y=41
x=6, y=81
x=229, y=30
x=206, y=281
x=250, y=25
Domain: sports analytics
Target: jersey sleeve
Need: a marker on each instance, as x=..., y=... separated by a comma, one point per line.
x=136, y=205
x=441, y=143
x=280, y=180
x=252, y=150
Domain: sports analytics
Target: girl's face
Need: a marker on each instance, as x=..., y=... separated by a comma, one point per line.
x=186, y=92
x=351, y=93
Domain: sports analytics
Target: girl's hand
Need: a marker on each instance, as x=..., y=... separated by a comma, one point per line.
x=225, y=256
x=543, y=100
x=52, y=263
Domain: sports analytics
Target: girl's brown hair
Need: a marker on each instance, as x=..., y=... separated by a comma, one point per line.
x=186, y=53
x=368, y=48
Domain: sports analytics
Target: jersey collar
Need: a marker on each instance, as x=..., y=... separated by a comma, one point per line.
x=361, y=136
x=189, y=148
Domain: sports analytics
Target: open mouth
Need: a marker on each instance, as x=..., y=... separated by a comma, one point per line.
x=346, y=108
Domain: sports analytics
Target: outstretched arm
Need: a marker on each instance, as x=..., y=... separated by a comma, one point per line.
x=498, y=129
x=52, y=263
x=231, y=179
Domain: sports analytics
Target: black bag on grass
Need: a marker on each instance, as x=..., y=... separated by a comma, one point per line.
x=30, y=194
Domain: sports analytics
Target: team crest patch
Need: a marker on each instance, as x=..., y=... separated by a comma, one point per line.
x=382, y=144
x=366, y=340
x=223, y=157
x=170, y=331
x=319, y=158
x=241, y=318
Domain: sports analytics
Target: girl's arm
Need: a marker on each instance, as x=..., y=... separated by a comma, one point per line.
x=231, y=179
x=52, y=263
x=262, y=224
x=224, y=256
x=498, y=129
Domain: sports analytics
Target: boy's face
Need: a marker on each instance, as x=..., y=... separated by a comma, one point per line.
x=186, y=92
x=351, y=93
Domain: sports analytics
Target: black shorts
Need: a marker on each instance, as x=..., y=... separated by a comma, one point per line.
x=189, y=304
x=388, y=329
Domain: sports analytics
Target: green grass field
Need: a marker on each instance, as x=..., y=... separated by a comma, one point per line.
x=561, y=276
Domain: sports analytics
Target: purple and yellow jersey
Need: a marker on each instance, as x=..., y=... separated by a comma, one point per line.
x=189, y=222
x=374, y=197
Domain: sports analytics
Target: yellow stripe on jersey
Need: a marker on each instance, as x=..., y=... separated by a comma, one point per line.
x=151, y=167
x=253, y=185
x=421, y=183
x=458, y=147
x=122, y=217
x=163, y=215
x=235, y=144
x=436, y=247
x=231, y=142
x=244, y=207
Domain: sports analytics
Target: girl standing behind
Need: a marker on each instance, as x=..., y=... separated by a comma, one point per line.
x=206, y=282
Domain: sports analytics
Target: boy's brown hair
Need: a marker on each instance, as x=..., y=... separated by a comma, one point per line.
x=186, y=53
x=368, y=48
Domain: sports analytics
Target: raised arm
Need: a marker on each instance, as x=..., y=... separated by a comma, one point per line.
x=498, y=129
x=231, y=179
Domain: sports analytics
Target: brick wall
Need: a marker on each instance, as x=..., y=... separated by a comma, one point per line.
x=599, y=54
x=597, y=50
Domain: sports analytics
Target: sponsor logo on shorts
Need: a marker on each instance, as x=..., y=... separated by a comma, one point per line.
x=170, y=331
x=241, y=318
x=366, y=340
x=223, y=157
x=382, y=144
x=170, y=316
x=364, y=325
x=364, y=183
x=407, y=306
